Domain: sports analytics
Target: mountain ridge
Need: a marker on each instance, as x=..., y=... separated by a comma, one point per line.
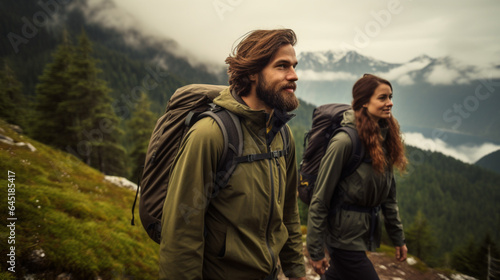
x=338, y=60
x=490, y=161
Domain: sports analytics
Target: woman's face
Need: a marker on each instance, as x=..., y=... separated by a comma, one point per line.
x=380, y=104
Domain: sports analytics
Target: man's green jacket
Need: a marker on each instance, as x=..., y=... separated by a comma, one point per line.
x=241, y=231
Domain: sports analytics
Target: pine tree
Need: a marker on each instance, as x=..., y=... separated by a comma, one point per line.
x=420, y=239
x=74, y=109
x=12, y=101
x=463, y=258
x=106, y=152
x=140, y=127
x=93, y=123
x=52, y=122
x=478, y=260
x=487, y=259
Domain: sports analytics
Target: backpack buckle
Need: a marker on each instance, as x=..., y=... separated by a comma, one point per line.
x=250, y=158
x=277, y=154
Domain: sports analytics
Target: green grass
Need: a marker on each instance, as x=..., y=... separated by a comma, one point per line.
x=66, y=209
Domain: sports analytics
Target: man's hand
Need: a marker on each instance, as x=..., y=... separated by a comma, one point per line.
x=401, y=253
x=320, y=266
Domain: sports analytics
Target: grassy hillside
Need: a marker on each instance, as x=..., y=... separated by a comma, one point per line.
x=69, y=220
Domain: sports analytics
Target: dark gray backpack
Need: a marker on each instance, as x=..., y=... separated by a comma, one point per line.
x=326, y=123
x=186, y=106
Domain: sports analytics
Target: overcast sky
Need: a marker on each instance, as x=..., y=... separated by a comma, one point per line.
x=389, y=30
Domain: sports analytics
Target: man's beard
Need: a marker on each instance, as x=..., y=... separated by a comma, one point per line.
x=276, y=98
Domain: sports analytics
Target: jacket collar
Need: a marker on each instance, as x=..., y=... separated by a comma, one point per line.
x=255, y=119
x=279, y=119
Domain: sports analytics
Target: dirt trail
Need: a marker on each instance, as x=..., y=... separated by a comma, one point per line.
x=387, y=268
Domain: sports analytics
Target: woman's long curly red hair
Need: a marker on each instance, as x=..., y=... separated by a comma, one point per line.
x=369, y=129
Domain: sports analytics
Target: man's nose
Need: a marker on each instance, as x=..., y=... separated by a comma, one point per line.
x=292, y=75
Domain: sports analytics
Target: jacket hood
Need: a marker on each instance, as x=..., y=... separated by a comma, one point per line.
x=255, y=118
x=229, y=102
x=349, y=119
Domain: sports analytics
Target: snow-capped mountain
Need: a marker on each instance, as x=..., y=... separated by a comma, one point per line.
x=347, y=61
x=350, y=65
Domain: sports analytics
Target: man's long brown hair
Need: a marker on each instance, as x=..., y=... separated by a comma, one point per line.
x=253, y=53
x=369, y=129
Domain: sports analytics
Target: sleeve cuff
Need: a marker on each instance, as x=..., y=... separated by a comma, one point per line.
x=295, y=272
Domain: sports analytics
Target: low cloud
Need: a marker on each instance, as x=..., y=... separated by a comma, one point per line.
x=458, y=73
x=468, y=153
x=485, y=73
x=442, y=75
x=311, y=75
x=401, y=74
x=134, y=31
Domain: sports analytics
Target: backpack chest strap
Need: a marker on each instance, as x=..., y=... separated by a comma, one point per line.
x=263, y=156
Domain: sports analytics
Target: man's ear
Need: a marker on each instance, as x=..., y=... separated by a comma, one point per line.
x=253, y=77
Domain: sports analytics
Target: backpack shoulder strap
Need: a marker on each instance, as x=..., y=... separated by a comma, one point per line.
x=285, y=135
x=355, y=160
x=357, y=154
x=232, y=134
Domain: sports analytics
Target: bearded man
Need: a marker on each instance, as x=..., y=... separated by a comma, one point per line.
x=252, y=224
